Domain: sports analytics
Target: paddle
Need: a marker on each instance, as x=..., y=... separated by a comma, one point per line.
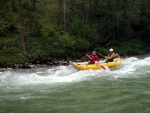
x=103, y=67
x=89, y=56
x=101, y=55
x=94, y=60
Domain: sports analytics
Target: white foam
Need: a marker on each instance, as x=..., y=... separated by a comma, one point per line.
x=130, y=67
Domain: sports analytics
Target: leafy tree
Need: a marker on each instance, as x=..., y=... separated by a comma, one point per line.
x=70, y=28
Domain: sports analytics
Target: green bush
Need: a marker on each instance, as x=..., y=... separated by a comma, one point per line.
x=11, y=56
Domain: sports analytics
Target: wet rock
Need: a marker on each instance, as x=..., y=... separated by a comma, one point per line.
x=63, y=63
x=40, y=62
x=49, y=63
x=5, y=69
x=2, y=69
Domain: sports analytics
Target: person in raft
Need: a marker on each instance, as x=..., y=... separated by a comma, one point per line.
x=111, y=56
x=93, y=57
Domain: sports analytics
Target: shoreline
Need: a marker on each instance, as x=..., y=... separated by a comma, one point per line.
x=54, y=63
x=34, y=66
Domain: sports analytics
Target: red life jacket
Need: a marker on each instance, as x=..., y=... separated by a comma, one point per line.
x=94, y=58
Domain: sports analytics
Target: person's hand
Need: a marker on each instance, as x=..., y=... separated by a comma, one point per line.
x=106, y=57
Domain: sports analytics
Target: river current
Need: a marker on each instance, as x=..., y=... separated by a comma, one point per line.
x=63, y=89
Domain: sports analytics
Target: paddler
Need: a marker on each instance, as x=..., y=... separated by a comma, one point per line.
x=111, y=56
x=93, y=57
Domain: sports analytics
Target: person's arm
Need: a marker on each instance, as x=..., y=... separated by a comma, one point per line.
x=89, y=56
x=97, y=59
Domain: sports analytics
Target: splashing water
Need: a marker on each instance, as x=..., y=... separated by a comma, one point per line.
x=130, y=67
x=64, y=89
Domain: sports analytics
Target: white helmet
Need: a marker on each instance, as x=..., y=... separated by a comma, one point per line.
x=111, y=49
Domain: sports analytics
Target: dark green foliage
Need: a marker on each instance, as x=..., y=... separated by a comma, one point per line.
x=12, y=56
x=78, y=28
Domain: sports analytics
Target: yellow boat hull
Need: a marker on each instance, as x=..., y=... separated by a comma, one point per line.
x=79, y=66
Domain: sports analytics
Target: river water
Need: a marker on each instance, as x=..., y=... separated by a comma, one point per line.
x=62, y=89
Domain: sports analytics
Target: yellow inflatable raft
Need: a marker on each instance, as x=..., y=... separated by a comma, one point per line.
x=83, y=66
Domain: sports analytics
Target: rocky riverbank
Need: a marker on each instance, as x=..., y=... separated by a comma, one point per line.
x=40, y=62
x=31, y=66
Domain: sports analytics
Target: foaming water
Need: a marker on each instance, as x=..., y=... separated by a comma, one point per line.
x=130, y=67
x=61, y=74
x=64, y=89
x=133, y=67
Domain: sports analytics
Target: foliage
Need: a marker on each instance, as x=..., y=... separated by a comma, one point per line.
x=12, y=56
x=70, y=28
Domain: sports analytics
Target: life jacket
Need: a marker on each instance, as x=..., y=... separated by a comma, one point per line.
x=111, y=57
x=94, y=58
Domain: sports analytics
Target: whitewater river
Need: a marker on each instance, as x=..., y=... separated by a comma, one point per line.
x=62, y=89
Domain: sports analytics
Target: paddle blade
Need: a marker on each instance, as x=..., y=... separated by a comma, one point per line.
x=103, y=67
